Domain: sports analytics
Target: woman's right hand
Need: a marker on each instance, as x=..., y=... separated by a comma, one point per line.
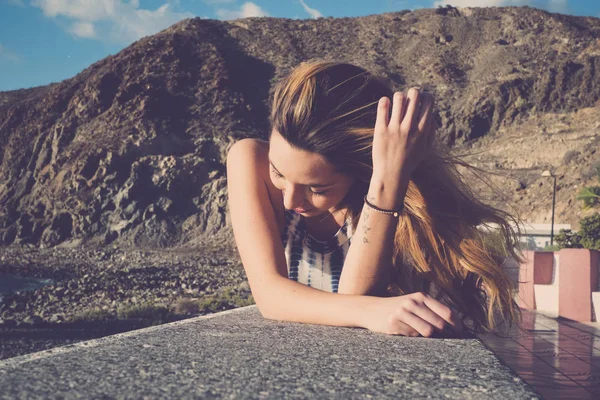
x=410, y=315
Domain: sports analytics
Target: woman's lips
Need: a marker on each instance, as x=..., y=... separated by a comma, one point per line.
x=301, y=210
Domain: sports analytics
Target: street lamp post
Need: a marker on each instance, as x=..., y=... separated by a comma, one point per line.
x=548, y=173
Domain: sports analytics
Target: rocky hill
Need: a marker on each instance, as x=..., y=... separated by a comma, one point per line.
x=131, y=151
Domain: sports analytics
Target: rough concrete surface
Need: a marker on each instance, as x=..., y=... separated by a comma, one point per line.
x=239, y=354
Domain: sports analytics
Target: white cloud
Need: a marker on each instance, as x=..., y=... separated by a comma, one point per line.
x=247, y=10
x=83, y=29
x=481, y=3
x=313, y=12
x=8, y=55
x=122, y=21
x=79, y=9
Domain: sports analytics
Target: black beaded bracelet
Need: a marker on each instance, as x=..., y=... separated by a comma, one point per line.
x=395, y=213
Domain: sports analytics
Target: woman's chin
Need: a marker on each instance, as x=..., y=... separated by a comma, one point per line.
x=314, y=213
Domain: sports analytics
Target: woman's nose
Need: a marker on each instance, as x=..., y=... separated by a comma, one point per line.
x=293, y=197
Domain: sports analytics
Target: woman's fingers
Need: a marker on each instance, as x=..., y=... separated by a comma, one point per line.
x=398, y=327
x=410, y=111
x=418, y=307
x=425, y=110
x=422, y=326
x=425, y=314
x=398, y=108
x=426, y=120
x=383, y=110
x=444, y=312
x=409, y=122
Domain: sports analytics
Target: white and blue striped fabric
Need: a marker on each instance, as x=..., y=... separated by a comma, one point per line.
x=313, y=262
x=319, y=264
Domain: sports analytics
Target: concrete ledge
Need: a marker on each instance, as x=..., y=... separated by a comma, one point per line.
x=100, y=341
x=239, y=354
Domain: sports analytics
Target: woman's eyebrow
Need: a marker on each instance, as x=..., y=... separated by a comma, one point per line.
x=309, y=184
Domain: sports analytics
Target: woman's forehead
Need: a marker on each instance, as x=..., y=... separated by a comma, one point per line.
x=284, y=158
x=305, y=164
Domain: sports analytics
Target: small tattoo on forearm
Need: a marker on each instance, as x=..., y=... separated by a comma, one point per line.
x=365, y=227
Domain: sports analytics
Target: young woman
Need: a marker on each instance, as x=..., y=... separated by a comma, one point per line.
x=353, y=215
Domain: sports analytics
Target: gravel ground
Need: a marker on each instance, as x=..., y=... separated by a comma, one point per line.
x=102, y=291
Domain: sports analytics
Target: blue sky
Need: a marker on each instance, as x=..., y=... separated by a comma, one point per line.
x=44, y=41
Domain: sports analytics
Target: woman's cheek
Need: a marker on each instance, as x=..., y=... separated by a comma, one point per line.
x=324, y=202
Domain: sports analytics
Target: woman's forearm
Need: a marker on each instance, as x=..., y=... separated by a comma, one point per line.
x=369, y=260
x=289, y=300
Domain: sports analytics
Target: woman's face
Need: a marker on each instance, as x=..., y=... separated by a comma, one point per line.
x=306, y=180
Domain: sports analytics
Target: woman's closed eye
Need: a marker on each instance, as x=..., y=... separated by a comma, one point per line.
x=278, y=175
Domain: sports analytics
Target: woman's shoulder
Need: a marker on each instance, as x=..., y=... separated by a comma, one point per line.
x=253, y=153
x=259, y=151
x=255, y=146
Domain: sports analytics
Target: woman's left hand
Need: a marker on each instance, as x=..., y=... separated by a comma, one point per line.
x=402, y=140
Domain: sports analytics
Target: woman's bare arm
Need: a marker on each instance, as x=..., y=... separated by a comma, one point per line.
x=368, y=263
x=261, y=250
x=399, y=143
x=278, y=297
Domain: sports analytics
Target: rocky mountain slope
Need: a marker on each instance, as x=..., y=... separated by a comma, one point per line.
x=131, y=151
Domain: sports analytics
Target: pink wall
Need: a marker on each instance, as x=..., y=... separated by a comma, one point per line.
x=578, y=279
x=537, y=269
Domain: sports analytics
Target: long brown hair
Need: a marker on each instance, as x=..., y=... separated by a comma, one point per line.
x=329, y=108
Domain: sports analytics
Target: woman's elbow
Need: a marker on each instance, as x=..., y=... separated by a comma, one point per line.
x=266, y=312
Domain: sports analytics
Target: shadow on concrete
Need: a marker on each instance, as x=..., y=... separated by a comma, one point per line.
x=26, y=339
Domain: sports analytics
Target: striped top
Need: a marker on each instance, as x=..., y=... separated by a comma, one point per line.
x=319, y=264
x=313, y=262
